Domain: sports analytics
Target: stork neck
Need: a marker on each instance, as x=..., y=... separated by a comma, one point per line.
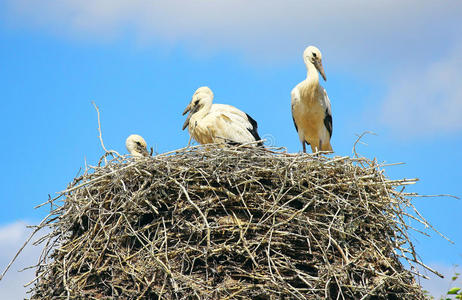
x=205, y=109
x=207, y=106
x=312, y=76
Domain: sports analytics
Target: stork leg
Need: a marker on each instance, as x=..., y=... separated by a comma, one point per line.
x=314, y=148
x=304, y=147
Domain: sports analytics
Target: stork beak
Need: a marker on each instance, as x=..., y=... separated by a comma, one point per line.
x=192, y=111
x=319, y=67
x=188, y=108
x=144, y=152
x=186, y=123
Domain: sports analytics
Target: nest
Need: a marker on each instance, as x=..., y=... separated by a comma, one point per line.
x=229, y=223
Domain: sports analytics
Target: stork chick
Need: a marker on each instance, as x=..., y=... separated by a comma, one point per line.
x=311, y=110
x=136, y=145
x=218, y=123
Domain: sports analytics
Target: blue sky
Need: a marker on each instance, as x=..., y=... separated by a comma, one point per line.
x=394, y=68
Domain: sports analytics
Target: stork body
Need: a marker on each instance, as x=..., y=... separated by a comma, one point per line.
x=136, y=145
x=218, y=123
x=311, y=110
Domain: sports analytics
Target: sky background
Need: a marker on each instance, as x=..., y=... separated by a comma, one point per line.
x=393, y=68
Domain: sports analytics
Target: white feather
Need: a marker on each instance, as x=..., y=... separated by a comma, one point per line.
x=218, y=123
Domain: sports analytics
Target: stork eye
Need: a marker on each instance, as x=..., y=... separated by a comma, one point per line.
x=314, y=54
x=138, y=143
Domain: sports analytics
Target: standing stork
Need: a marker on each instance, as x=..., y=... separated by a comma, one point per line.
x=311, y=109
x=218, y=123
x=136, y=145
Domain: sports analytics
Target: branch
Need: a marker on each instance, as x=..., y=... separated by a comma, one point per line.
x=99, y=127
x=359, y=139
x=112, y=152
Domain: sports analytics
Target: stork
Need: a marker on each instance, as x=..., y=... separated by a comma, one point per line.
x=311, y=109
x=218, y=123
x=136, y=145
x=217, y=107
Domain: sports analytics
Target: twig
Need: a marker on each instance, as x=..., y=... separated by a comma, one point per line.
x=19, y=252
x=358, y=140
x=100, y=136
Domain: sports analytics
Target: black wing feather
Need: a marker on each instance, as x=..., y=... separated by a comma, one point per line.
x=328, y=122
x=253, y=131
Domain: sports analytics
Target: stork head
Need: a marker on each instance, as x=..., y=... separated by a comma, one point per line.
x=136, y=145
x=205, y=90
x=202, y=97
x=312, y=55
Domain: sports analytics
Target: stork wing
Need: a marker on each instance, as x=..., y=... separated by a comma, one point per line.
x=229, y=109
x=253, y=129
x=238, y=116
x=295, y=98
x=328, y=118
x=231, y=127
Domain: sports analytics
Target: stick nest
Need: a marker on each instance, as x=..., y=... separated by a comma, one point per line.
x=229, y=223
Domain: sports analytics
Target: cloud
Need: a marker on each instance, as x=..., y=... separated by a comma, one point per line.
x=12, y=237
x=436, y=286
x=404, y=45
x=426, y=100
x=260, y=29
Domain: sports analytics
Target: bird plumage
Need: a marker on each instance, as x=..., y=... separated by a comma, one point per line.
x=311, y=109
x=217, y=107
x=136, y=145
x=218, y=123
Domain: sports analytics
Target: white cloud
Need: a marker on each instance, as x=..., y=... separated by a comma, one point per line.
x=402, y=43
x=438, y=287
x=426, y=100
x=260, y=29
x=12, y=237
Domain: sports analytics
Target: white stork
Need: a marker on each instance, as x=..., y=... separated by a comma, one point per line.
x=216, y=107
x=311, y=109
x=218, y=123
x=136, y=145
